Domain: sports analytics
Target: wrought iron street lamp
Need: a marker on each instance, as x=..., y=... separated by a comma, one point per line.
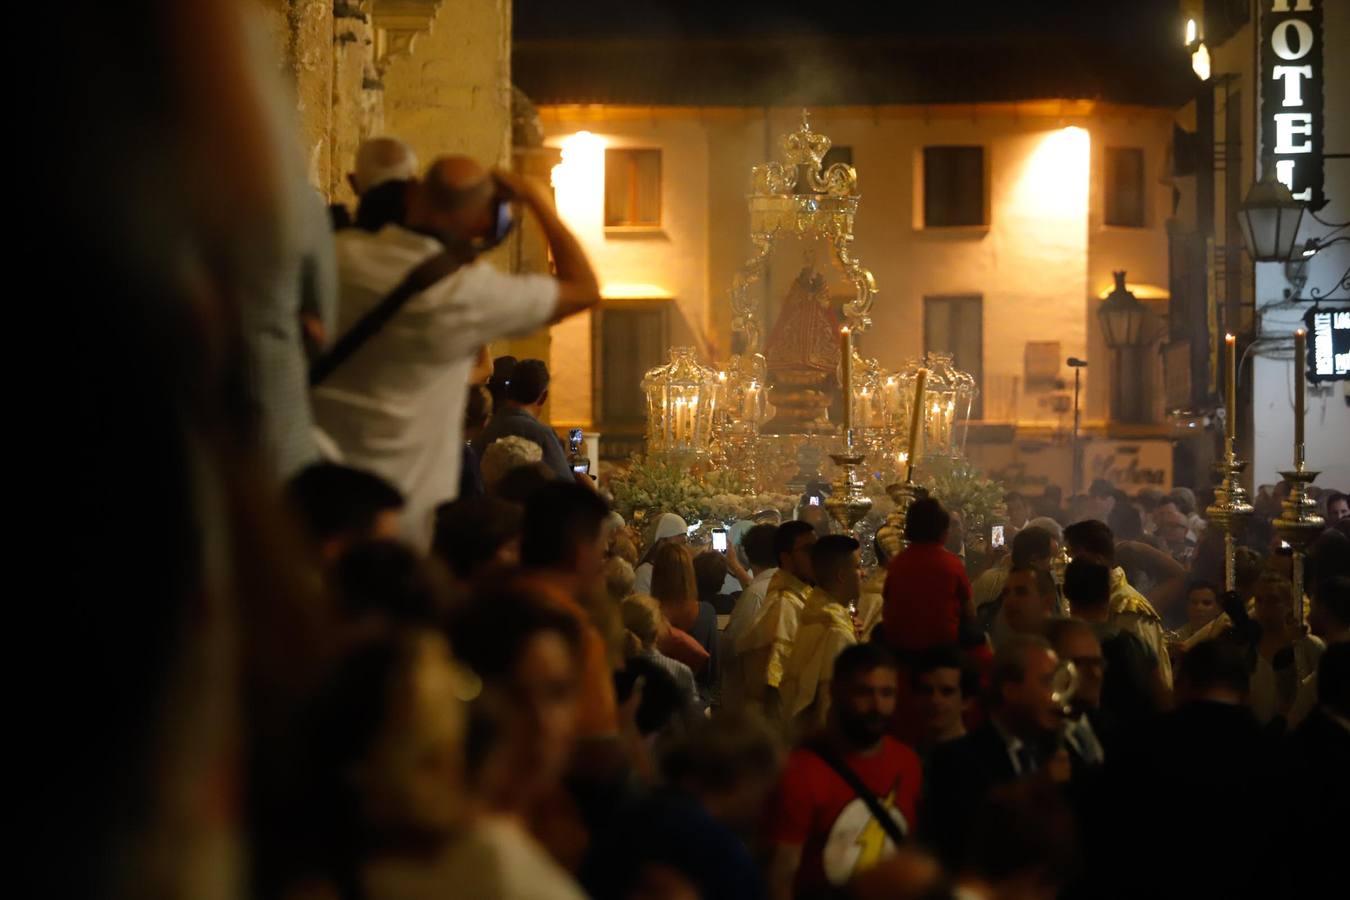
x=1127, y=326
x=1270, y=217
x=1125, y=321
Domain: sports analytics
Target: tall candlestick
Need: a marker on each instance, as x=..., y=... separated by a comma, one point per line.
x=1300, y=365
x=1230, y=392
x=916, y=417
x=846, y=350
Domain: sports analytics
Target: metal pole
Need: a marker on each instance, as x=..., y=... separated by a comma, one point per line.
x=1300, y=614
x=1229, y=561
x=1077, y=459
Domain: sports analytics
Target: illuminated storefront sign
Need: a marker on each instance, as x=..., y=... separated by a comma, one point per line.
x=1329, y=344
x=1291, y=95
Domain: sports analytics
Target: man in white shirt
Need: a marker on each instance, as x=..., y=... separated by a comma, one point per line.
x=396, y=406
x=758, y=545
x=759, y=551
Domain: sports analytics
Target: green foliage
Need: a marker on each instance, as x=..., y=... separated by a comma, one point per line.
x=963, y=488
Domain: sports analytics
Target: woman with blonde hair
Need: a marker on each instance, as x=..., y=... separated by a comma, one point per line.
x=675, y=587
x=643, y=619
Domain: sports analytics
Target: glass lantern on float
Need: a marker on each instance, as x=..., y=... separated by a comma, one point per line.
x=967, y=389
x=744, y=402
x=940, y=400
x=899, y=392
x=871, y=418
x=682, y=402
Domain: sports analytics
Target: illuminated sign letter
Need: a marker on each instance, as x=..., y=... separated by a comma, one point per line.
x=1293, y=95
x=1279, y=39
x=1287, y=125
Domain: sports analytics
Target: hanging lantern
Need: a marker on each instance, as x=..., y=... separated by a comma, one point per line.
x=1125, y=321
x=1270, y=217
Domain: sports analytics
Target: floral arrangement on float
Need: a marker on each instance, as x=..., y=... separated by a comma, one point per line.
x=649, y=485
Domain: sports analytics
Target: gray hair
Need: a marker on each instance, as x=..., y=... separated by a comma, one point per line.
x=1045, y=523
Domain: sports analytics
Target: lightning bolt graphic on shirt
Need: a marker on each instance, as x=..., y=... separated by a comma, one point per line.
x=872, y=839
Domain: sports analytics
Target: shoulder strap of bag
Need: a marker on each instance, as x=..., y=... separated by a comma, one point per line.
x=874, y=805
x=419, y=279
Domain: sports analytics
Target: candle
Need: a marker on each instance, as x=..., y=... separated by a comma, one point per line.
x=846, y=351
x=1230, y=390
x=1300, y=365
x=916, y=417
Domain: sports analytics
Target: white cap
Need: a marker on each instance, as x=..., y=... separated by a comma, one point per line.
x=670, y=525
x=383, y=159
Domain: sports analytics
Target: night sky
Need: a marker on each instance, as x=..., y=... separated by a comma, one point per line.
x=1146, y=26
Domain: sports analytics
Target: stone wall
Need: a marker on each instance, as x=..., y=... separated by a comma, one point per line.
x=435, y=73
x=452, y=92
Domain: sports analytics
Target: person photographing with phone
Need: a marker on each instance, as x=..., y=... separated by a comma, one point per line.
x=416, y=302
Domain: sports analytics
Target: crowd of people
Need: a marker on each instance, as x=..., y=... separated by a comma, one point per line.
x=350, y=622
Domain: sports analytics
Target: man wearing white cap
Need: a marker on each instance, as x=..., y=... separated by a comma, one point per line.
x=670, y=528
x=384, y=166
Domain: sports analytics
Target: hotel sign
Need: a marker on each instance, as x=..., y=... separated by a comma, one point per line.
x=1291, y=95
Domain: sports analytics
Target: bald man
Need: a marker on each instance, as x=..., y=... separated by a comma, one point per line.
x=385, y=167
x=396, y=406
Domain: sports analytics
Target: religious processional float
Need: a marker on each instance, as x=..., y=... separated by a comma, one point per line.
x=802, y=410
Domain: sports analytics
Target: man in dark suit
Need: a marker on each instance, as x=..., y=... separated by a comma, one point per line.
x=522, y=403
x=1315, y=792
x=1088, y=730
x=1012, y=744
x=1195, y=785
x=1131, y=686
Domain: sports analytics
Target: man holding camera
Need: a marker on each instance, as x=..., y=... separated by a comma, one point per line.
x=395, y=404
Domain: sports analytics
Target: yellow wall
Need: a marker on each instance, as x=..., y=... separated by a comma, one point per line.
x=452, y=94
x=669, y=262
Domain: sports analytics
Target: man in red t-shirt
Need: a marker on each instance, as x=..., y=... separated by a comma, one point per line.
x=823, y=832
